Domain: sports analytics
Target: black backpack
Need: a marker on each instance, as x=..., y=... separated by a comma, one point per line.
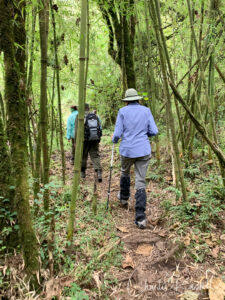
x=92, y=128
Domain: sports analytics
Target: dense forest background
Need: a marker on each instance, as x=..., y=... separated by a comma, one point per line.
x=57, y=240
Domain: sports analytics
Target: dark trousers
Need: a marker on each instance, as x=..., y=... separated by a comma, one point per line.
x=73, y=149
x=91, y=148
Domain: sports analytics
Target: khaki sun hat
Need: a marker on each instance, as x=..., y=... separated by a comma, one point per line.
x=131, y=95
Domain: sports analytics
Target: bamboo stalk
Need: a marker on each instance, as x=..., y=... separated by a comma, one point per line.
x=152, y=84
x=59, y=96
x=52, y=116
x=201, y=129
x=160, y=28
x=162, y=55
x=80, y=130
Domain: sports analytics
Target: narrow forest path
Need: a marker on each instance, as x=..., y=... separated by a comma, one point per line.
x=155, y=263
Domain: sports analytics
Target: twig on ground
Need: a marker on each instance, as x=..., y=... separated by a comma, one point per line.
x=165, y=257
x=128, y=278
x=108, y=249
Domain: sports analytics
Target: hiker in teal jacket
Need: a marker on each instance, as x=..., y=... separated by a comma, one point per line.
x=70, y=132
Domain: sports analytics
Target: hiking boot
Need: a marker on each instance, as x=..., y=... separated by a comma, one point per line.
x=123, y=203
x=124, y=188
x=141, y=224
x=140, y=206
x=99, y=175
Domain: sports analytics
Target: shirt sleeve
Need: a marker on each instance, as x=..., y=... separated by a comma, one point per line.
x=68, y=129
x=100, y=122
x=152, y=128
x=118, y=128
x=75, y=127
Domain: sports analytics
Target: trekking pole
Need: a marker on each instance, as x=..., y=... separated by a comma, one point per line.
x=110, y=176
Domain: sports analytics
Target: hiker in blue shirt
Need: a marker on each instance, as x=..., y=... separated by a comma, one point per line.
x=70, y=132
x=134, y=125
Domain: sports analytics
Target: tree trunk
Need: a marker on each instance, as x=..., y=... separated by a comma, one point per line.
x=80, y=130
x=52, y=116
x=122, y=29
x=152, y=83
x=43, y=24
x=59, y=96
x=2, y=110
x=162, y=54
x=14, y=61
x=5, y=171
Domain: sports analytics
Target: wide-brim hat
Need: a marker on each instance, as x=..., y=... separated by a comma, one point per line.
x=131, y=95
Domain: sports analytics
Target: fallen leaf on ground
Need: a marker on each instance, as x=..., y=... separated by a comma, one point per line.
x=128, y=262
x=215, y=252
x=153, y=221
x=52, y=289
x=216, y=289
x=177, y=224
x=222, y=237
x=144, y=249
x=169, y=178
x=82, y=226
x=187, y=240
x=77, y=243
x=209, y=242
x=160, y=245
x=162, y=233
x=122, y=229
x=189, y=295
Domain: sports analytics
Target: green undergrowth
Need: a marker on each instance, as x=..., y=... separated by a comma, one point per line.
x=200, y=218
x=93, y=235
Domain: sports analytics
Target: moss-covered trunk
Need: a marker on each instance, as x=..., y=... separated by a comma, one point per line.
x=5, y=171
x=121, y=29
x=14, y=60
x=2, y=109
x=43, y=25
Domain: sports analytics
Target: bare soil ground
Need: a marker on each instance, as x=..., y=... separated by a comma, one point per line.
x=156, y=263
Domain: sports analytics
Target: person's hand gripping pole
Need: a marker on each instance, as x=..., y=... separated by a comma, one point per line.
x=110, y=176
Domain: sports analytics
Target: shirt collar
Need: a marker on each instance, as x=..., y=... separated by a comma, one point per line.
x=133, y=103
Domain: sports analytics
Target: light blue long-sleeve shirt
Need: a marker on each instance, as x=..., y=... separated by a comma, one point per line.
x=134, y=125
x=70, y=132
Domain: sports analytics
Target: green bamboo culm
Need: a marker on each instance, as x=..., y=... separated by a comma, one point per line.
x=151, y=84
x=43, y=28
x=155, y=13
x=59, y=96
x=80, y=130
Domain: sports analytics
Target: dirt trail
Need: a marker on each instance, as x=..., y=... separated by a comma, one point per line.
x=154, y=265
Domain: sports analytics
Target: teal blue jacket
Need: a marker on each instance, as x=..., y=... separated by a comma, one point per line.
x=70, y=132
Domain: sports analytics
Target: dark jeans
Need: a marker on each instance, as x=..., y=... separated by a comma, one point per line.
x=73, y=149
x=91, y=148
